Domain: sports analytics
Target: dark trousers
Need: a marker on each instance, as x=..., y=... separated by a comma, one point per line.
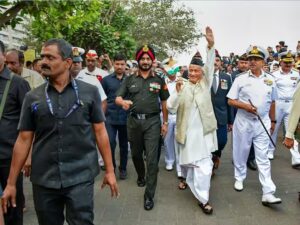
x=144, y=135
x=222, y=139
x=14, y=216
x=112, y=131
x=78, y=200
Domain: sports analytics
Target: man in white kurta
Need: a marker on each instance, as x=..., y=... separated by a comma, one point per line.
x=196, y=125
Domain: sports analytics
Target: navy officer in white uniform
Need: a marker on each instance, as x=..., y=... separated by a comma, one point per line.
x=259, y=87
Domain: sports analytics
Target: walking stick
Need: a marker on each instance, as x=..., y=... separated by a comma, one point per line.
x=259, y=118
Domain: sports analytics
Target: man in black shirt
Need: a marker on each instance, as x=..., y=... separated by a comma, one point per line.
x=64, y=116
x=12, y=92
x=144, y=89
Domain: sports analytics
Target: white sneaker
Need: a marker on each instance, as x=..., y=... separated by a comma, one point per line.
x=295, y=163
x=169, y=167
x=238, y=185
x=270, y=155
x=270, y=199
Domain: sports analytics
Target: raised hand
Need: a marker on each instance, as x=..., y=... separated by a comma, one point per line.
x=209, y=37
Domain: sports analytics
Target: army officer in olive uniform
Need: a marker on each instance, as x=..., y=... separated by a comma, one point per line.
x=146, y=96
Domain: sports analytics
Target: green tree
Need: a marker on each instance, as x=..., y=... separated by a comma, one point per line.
x=169, y=28
x=99, y=24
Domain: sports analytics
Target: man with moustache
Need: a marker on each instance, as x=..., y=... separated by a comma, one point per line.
x=145, y=92
x=65, y=118
x=116, y=117
x=258, y=87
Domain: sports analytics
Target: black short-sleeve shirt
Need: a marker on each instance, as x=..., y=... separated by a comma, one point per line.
x=144, y=93
x=64, y=149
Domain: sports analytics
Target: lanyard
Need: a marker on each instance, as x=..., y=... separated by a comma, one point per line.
x=73, y=108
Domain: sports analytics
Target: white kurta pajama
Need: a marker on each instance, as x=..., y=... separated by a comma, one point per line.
x=199, y=140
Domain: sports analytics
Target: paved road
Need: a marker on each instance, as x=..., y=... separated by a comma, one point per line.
x=176, y=207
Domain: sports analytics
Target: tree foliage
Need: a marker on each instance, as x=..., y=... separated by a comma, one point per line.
x=168, y=27
x=108, y=26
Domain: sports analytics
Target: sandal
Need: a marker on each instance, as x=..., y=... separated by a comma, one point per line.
x=182, y=185
x=206, y=208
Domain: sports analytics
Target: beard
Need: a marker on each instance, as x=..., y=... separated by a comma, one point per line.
x=145, y=67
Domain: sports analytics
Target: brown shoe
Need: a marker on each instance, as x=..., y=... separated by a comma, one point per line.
x=216, y=161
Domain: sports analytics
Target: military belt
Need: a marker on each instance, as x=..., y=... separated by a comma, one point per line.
x=143, y=116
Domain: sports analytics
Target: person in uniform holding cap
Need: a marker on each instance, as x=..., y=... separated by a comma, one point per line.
x=257, y=87
x=196, y=124
x=145, y=93
x=75, y=72
x=286, y=80
x=91, y=59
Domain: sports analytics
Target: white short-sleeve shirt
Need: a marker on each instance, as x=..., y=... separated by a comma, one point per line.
x=286, y=84
x=260, y=90
x=93, y=81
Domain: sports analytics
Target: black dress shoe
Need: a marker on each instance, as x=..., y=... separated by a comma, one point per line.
x=148, y=203
x=252, y=165
x=141, y=182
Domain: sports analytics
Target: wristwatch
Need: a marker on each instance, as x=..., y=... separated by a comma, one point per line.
x=165, y=123
x=273, y=121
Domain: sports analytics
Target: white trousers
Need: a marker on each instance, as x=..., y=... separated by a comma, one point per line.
x=198, y=178
x=170, y=141
x=246, y=131
x=282, y=113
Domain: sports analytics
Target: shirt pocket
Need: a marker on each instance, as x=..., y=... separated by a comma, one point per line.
x=133, y=89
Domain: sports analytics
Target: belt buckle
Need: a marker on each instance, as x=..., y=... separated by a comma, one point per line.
x=286, y=101
x=141, y=116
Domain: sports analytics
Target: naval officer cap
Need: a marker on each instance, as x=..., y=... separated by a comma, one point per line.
x=287, y=57
x=77, y=52
x=258, y=52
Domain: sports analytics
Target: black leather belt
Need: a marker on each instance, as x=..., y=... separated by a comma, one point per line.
x=143, y=116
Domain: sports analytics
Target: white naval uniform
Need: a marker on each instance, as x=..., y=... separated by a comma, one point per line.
x=94, y=81
x=286, y=85
x=171, y=146
x=247, y=129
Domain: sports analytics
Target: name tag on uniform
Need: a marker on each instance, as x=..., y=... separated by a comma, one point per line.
x=268, y=82
x=154, y=87
x=224, y=84
x=294, y=78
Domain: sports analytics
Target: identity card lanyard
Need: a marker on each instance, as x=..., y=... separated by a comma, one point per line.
x=73, y=108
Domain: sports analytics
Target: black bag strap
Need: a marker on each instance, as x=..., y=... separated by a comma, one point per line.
x=5, y=93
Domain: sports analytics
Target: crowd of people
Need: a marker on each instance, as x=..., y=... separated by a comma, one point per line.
x=60, y=122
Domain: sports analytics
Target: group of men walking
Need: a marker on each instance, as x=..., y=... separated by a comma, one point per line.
x=75, y=113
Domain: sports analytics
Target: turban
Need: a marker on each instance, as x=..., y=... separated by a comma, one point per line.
x=145, y=49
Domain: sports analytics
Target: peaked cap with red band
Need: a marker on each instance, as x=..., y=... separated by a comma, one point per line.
x=145, y=49
x=91, y=54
